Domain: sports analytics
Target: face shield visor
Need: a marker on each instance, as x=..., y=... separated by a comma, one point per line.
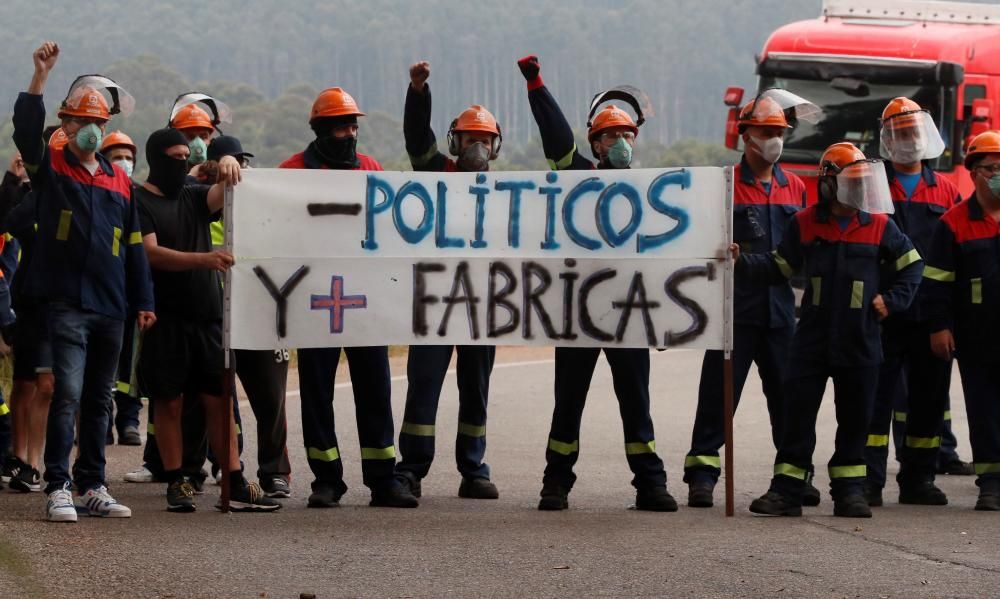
x=910, y=137
x=633, y=96
x=220, y=111
x=119, y=101
x=781, y=108
x=864, y=185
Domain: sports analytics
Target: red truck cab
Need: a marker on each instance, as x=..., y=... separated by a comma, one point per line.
x=859, y=54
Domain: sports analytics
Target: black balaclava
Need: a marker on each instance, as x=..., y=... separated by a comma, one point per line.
x=338, y=153
x=169, y=174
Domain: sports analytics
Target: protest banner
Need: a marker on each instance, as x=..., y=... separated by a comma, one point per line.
x=627, y=258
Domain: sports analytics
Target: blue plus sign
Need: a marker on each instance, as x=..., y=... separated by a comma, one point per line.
x=337, y=302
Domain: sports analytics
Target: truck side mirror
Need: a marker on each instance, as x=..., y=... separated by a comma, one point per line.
x=732, y=99
x=732, y=129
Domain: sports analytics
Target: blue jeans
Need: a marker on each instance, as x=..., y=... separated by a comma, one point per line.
x=85, y=348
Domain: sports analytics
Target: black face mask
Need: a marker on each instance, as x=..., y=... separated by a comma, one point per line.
x=168, y=174
x=337, y=152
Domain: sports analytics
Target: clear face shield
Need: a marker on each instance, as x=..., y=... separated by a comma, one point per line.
x=633, y=96
x=119, y=101
x=910, y=137
x=220, y=111
x=864, y=185
x=773, y=105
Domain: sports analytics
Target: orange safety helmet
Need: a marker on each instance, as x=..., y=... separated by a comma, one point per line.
x=333, y=102
x=475, y=118
x=611, y=116
x=192, y=117
x=58, y=140
x=835, y=159
x=903, y=112
x=768, y=113
x=838, y=156
x=117, y=138
x=88, y=103
x=987, y=142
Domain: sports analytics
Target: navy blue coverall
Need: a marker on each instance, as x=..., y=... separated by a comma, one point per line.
x=575, y=365
x=909, y=362
x=427, y=365
x=764, y=319
x=369, y=367
x=961, y=293
x=837, y=335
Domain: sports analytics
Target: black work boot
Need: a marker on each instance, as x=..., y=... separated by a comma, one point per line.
x=810, y=495
x=700, y=494
x=395, y=495
x=478, y=488
x=656, y=499
x=852, y=506
x=554, y=497
x=410, y=481
x=773, y=503
x=324, y=495
x=921, y=493
x=956, y=467
x=873, y=495
x=989, y=501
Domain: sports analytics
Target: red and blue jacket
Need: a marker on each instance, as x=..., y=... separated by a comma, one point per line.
x=838, y=326
x=760, y=219
x=89, y=246
x=917, y=215
x=961, y=286
x=421, y=143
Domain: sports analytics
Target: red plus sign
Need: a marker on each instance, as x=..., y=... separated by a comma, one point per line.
x=337, y=302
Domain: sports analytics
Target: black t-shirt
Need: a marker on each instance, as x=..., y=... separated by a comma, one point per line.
x=182, y=224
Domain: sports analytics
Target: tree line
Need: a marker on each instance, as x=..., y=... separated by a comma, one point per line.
x=268, y=61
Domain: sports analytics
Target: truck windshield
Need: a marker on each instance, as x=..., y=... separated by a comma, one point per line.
x=850, y=114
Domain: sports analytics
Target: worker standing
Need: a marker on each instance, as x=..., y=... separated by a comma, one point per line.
x=839, y=244
x=960, y=295
x=474, y=139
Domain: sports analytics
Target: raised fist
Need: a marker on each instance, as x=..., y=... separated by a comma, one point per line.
x=529, y=67
x=419, y=72
x=45, y=57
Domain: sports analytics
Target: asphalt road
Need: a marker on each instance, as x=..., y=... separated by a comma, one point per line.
x=457, y=547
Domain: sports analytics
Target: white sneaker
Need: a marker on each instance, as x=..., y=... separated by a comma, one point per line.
x=60, y=506
x=140, y=475
x=98, y=502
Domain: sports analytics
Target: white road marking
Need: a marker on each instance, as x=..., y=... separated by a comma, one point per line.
x=402, y=377
x=501, y=365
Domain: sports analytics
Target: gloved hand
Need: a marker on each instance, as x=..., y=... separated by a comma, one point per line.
x=530, y=67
